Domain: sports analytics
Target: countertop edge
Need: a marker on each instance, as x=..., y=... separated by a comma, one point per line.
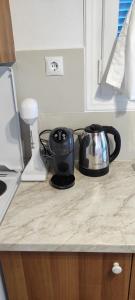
x=70, y=248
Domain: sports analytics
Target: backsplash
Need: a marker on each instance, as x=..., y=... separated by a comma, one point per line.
x=124, y=122
x=54, y=93
x=76, y=120
x=61, y=99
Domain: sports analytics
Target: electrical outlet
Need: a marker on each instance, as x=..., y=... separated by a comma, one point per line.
x=54, y=66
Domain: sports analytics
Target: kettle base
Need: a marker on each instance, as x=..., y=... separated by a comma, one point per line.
x=94, y=173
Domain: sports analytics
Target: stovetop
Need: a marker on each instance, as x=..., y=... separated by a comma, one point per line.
x=3, y=187
x=8, y=185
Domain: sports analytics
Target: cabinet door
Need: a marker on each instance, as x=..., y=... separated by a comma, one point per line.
x=7, y=51
x=65, y=276
x=98, y=282
x=132, y=285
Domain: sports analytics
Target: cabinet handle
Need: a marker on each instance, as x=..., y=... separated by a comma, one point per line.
x=117, y=269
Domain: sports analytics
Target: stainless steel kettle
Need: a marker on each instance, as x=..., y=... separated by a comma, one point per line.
x=94, y=155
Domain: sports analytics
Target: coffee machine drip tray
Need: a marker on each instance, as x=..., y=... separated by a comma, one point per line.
x=62, y=182
x=3, y=187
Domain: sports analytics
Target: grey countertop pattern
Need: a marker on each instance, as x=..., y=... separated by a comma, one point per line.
x=96, y=215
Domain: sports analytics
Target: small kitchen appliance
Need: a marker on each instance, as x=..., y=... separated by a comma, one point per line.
x=35, y=169
x=94, y=155
x=61, y=144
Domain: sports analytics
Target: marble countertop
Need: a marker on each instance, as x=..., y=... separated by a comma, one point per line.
x=96, y=215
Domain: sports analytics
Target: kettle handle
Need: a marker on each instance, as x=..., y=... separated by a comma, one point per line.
x=117, y=138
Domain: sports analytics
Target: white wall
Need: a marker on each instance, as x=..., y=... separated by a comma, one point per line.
x=47, y=24
x=54, y=93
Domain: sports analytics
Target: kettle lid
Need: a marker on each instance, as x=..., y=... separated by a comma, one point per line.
x=94, y=128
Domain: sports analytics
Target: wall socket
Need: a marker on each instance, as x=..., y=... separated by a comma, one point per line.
x=54, y=66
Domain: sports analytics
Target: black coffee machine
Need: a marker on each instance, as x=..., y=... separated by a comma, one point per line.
x=61, y=143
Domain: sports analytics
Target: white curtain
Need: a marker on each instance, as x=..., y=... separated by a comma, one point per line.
x=121, y=73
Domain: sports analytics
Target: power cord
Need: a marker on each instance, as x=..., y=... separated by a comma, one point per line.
x=44, y=143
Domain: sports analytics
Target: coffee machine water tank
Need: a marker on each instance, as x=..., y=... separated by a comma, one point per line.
x=61, y=143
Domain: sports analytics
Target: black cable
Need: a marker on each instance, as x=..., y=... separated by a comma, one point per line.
x=45, y=145
x=78, y=129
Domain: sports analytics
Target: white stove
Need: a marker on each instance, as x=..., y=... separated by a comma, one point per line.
x=8, y=184
x=11, y=158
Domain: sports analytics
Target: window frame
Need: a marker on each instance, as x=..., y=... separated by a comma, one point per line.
x=101, y=97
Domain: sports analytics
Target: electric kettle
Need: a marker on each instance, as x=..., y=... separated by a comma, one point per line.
x=94, y=154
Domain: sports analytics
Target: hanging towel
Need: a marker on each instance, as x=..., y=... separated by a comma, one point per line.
x=121, y=73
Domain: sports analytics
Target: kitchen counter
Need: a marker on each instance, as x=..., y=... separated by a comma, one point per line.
x=96, y=215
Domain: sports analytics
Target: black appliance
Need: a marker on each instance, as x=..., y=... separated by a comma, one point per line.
x=61, y=144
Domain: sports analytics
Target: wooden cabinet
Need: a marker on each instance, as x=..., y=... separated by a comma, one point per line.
x=7, y=50
x=65, y=276
x=132, y=283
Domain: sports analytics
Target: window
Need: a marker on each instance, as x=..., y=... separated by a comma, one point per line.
x=124, y=6
x=103, y=22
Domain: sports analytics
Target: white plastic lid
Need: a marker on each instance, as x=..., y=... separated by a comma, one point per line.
x=29, y=110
